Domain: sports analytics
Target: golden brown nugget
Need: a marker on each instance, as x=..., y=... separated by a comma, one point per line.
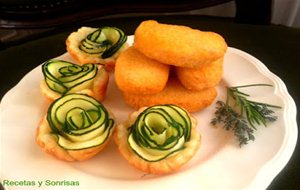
x=206, y=76
x=136, y=73
x=165, y=165
x=74, y=41
x=178, y=45
x=174, y=93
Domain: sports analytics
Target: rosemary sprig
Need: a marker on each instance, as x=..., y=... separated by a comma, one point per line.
x=241, y=115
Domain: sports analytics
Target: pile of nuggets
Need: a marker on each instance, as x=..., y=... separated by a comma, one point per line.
x=171, y=64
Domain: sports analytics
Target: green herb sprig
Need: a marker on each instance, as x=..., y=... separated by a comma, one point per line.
x=241, y=115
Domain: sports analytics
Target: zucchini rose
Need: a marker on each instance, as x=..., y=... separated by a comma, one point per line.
x=76, y=127
x=158, y=139
x=62, y=77
x=96, y=45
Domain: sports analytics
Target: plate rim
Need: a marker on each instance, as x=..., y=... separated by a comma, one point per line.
x=286, y=150
x=270, y=169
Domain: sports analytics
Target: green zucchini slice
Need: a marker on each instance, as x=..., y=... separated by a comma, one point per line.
x=160, y=131
x=64, y=77
x=79, y=121
x=104, y=41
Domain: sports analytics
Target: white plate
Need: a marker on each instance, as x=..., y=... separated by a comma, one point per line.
x=220, y=163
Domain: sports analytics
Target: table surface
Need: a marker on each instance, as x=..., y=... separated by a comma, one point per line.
x=276, y=46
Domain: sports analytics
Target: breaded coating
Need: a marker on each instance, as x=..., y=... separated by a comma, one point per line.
x=167, y=165
x=48, y=142
x=174, y=93
x=206, y=76
x=97, y=90
x=136, y=73
x=178, y=45
x=73, y=42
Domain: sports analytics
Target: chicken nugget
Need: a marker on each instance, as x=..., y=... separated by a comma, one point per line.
x=174, y=93
x=136, y=73
x=206, y=76
x=178, y=45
